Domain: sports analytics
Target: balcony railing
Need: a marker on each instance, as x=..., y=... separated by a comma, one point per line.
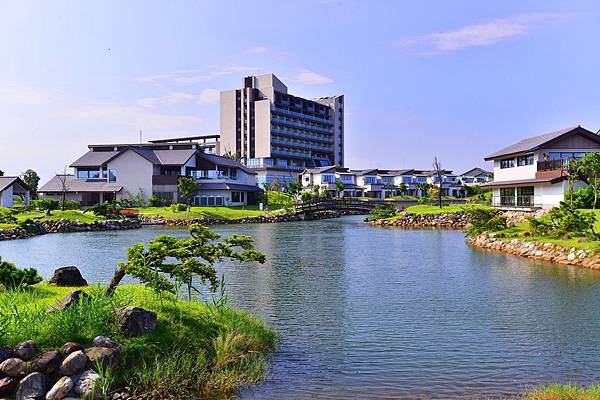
x=553, y=165
x=516, y=201
x=323, y=119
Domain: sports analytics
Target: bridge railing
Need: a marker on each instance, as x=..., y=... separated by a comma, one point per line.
x=336, y=204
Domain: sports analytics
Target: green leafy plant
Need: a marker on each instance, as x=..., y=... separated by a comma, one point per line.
x=339, y=188
x=564, y=220
x=47, y=205
x=169, y=262
x=12, y=277
x=382, y=211
x=106, y=209
x=589, y=168
x=187, y=188
x=32, y=180
x=484, y=220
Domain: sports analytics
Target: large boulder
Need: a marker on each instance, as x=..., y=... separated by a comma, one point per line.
x=87, y=386
x=68, y=276
x=105, y=356
x=70, y=347
x=8, y=386
x=60, y=389
x=135, y=321
x=26, y=350
x=14, y=367
x=72, y=298
x=74, y=363
x=48, y=363
x=32, y=387
x=5, y=354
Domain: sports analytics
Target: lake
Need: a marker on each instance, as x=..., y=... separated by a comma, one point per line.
x=369, y=312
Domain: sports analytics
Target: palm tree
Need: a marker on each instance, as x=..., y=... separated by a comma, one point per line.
x=339, y=187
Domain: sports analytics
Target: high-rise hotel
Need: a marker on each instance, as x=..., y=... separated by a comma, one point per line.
x=278, y=134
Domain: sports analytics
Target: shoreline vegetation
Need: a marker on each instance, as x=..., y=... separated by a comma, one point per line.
x=166, y=340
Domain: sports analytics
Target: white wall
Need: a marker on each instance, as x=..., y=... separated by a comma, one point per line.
x=6, y=197
x=516, y=172
x=134, y=172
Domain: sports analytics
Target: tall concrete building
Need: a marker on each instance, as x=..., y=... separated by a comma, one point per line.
x=278, y=134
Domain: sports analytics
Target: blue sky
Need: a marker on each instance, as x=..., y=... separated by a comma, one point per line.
x=457, y=80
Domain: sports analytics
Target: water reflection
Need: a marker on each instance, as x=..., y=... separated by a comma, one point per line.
x=365, y=312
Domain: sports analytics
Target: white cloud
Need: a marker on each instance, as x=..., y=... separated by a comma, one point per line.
x=483, y=34
x=309, y=77
x=192, y=76
x=206, y=96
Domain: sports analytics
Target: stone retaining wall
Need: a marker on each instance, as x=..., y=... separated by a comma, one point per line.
x=539, y=251
x=458, y=220
x=65, y=226
x=262, y=219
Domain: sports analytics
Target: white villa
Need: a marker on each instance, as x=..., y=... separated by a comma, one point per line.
x=378, y=183
x=533, y=172
x=120, y=171
x=11, y=187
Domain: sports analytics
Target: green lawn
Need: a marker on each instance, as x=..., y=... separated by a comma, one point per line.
x=421, y=209
x=225, y=213
x=196, y=348
x=564, y=392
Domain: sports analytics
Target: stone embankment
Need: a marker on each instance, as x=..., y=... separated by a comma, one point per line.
x=65, y=226
x=454, y=220
x=262, y=219
x=457, y=220
x=539, y=251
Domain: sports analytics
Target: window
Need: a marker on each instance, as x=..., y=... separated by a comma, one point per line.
x=507, y=163
x=112, y=175
x=235, y=197
x=407, y=179
x=88, y=174
x=370, y=179
x=346, y=178
x=525, y=160
x=328, y=178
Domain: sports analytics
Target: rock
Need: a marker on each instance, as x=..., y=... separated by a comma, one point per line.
x=105, y=356
x=71, y=347
x=14, y=367
x=8, y=386
x=68, y=276
x=136, y=321
x=48, y=363
x=74, y=297
x=60, y=389
x=105, y=341
x=74, y=363
x=88, y=385
x=33, y=386
x=5, y=354
x=26, y=350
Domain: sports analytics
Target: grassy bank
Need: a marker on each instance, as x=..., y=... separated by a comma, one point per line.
x=564, y=392
x=224, y=213
x=196, y=347
x=422, y=209
x=40, y=216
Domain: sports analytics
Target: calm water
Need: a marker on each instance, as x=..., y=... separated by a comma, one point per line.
x=367, y=312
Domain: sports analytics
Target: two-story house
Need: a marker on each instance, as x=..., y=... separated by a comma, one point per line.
x=121, y=171
x=325, y=178
x=476, y=176
x=533, y=173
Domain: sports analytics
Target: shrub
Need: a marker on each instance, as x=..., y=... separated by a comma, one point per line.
x=12, y=277
x=174, y=207
x=158, y=202
x=382, y=211
x=8, y=217
x=69, y=204
x=484, y=220
x=47, y=205
x=182, y=207
x=306, y=197
x=106, y=209
x=564, y=220
x=584, y=198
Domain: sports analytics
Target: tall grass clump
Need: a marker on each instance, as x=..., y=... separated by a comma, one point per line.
x=564, y=392
x=24, y=315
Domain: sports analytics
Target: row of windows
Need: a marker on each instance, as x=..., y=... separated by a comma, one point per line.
x=110, y=175
x=521, y=161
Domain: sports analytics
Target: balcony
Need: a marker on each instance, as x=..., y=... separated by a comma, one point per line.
x=322, y=119
x=516, y=201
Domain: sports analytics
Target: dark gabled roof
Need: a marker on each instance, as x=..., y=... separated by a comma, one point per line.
x=476, y=172
x=158, y=157
x=78, y=185
x=534, y=143
x=7, y=181
x=148, y=154
x=225, y=161
x=318, y=170
x=94, y=158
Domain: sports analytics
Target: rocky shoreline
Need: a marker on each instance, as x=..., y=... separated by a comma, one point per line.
x=538, y=251
x=65, y=226
x=457, y=220
x=262, y=219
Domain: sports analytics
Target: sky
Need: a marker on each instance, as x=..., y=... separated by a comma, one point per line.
x=456, y=80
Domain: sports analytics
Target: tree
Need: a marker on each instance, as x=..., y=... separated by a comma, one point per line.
x=294, y=188
x=32, y=179
x=439, y=172
x=187, y=187
x=64, y=187
x=275, y=185
x=169, y=262
x=423, y=189
x=589, y=166
x=339, y=188
x=403, y=188
x=389, y=187
x=12, y=277
x=48, y=205
x=1, y=173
